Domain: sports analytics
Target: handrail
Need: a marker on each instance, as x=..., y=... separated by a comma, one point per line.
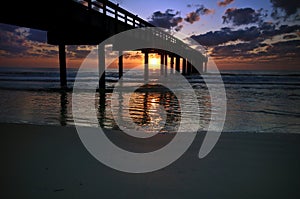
x=113, y=10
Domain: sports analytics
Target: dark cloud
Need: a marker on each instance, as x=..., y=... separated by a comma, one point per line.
x=242, y=16
x=290, y=36
x=26, y=42
x=168, y=19
x=265, y=31
x=289, y=7
x=6, y=27
x=241, y=49
x=11, y=41
x=30, y=34
x=283, y=29
x=37, y=35
x=225, y=2
x=276, y=51
x=285, y=48
x=77, y=51
x=192, y=17
x=178, y=28
x=136, y=55
x=195, y=15
x=226, y=35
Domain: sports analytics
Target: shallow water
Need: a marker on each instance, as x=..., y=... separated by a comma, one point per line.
x=256, y=102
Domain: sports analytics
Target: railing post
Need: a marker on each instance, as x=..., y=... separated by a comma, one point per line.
x=126, y=19
x=116, y=12
x=104, y=7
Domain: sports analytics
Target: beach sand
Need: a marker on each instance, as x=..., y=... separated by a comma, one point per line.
x=51, y=162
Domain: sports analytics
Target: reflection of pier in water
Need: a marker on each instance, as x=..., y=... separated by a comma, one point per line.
x=145, y=109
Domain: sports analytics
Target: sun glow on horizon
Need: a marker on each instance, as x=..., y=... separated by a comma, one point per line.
x=154, y=63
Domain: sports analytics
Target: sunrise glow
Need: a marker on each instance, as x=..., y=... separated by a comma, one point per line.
x=154, y=63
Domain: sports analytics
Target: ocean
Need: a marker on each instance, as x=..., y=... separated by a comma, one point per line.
x=257, y=101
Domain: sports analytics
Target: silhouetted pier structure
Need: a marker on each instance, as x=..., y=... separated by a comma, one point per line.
x=89, y=22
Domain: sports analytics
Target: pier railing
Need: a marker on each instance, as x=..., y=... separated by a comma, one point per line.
x=113, y=10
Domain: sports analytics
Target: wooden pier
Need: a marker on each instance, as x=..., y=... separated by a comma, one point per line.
x=89, y=22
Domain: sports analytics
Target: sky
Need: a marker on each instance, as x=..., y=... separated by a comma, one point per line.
x=238, y=34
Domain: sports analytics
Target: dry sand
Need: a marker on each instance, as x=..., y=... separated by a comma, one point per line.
x=50, y=162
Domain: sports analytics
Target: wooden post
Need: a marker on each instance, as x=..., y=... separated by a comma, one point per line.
x=172, y=64
x=166, y=64
x=189, y=68
x=184, y=66
x=120, y=64
x=162, y=59
x=178, y=64
x=101, y=66
x=146, y=67
x=62, y=66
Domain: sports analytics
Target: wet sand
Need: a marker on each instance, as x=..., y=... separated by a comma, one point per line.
x=51, y=162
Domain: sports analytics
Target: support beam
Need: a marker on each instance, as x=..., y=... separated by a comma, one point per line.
x=183, y=66
x=194, y=64
x=101, y=65
x=166, y=64
x=162, y=60
x=197, y=66
x=172, y=64
x=201, y=68
x=120, y=64
x=178, y=64
x=205, y=67
x=146, y=67
x=189, y=68
x=62, y=66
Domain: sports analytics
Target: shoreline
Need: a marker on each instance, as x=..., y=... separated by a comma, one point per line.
x=51, y=162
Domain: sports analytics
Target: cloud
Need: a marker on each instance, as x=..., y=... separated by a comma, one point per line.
x=277, y=52
x=226, y=35
x=168, y=19
x=261, y=43
x=192, y=17
x=25, y=42
x=292, y=36
x=37, y=35
x=78, y=51
x=267, y=30
x=283, y=29
x=23, y=32
x=289, y=7
x=225, y=2
x=242, y=16
x=236, y=50
x=133, y=55
x=195, y=15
